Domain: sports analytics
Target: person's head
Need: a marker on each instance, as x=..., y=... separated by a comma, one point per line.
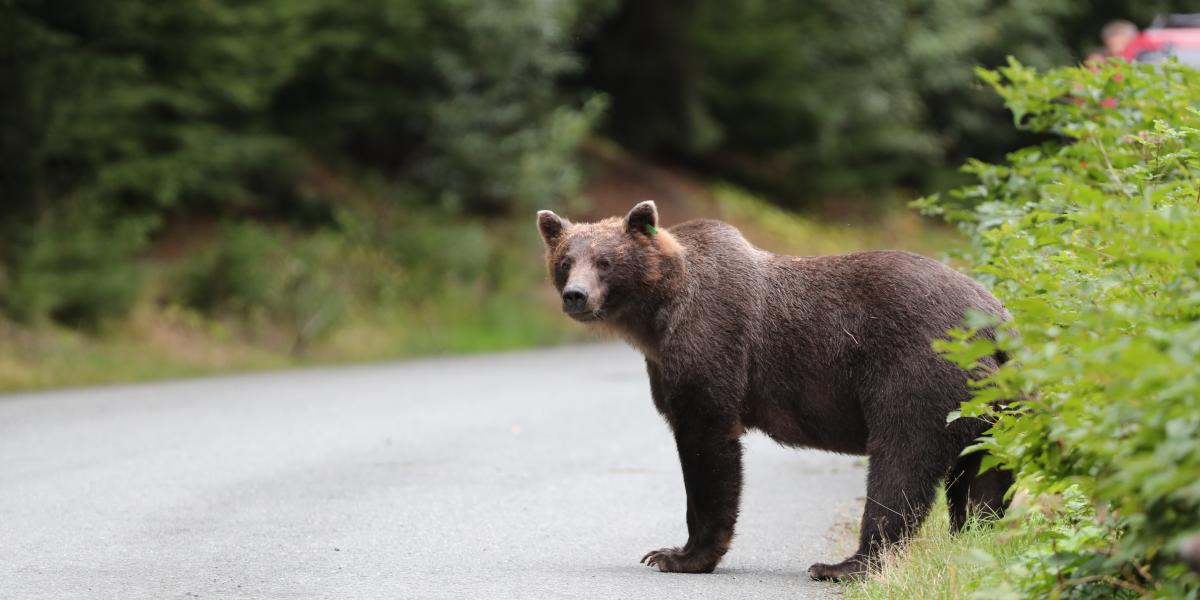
x=1117, y=36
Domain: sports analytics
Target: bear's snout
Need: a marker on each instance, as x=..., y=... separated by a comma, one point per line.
x=575, y=300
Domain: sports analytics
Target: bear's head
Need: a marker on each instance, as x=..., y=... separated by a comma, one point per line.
x=608, y=270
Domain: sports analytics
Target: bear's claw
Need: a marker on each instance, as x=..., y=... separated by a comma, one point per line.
x=843, y=571
x=674, y=560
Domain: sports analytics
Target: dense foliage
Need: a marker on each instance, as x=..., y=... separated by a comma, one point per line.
x=158, y=104
x=121, y=116
x=831, y=97
x=1092, y=239
x=127, y=125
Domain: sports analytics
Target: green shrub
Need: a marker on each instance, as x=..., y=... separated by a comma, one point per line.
x=235, y=275
x=76, y=266
x=253, y=273
x=1092, y=239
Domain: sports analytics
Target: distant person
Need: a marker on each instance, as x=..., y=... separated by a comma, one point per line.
x=1189, y=550
x=1117, y=35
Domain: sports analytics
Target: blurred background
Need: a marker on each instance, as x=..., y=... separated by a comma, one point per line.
x=195, y=186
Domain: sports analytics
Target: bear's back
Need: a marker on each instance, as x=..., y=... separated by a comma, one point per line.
x=916, y=291
x=896, y=283
x=710, y=238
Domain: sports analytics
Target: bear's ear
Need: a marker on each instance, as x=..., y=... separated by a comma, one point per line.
x=551, y=226
x=643, y=218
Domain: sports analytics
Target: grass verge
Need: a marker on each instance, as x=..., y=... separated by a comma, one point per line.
x=988, y=560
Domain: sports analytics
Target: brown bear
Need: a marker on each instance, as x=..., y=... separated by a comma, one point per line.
x=828, y=352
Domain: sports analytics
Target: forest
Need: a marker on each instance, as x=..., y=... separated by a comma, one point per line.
x=218, y=157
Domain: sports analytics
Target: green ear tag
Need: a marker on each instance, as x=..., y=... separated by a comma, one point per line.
x=650, y=229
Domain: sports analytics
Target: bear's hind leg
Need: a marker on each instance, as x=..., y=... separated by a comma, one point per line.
x=958, y=488
x=901, y=483
x=970, y=492
x=989, y=489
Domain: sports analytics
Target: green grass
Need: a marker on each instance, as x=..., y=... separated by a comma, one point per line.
x=165, y=343
x=937, y=565
x=145, y=348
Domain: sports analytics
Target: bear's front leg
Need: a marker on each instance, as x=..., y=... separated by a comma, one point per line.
x=710, y=452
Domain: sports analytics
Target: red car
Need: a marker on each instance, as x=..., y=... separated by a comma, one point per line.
x=1172, y=35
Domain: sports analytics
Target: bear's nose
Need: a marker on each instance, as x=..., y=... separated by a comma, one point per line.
x=574, y=300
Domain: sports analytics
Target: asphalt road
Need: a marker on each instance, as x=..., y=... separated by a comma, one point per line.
x=542, y=474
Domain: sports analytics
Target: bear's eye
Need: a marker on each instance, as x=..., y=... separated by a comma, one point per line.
x=564, y=264
x=603, y=264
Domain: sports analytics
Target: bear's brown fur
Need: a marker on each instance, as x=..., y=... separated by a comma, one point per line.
x=828, y=352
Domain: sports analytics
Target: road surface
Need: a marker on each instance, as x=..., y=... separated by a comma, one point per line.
x=541, y=474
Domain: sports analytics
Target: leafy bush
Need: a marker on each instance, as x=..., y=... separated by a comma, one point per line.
x=422, y=252
x=1092, y=239
x=252, y=273
x=75, y=265
x=235, y=274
